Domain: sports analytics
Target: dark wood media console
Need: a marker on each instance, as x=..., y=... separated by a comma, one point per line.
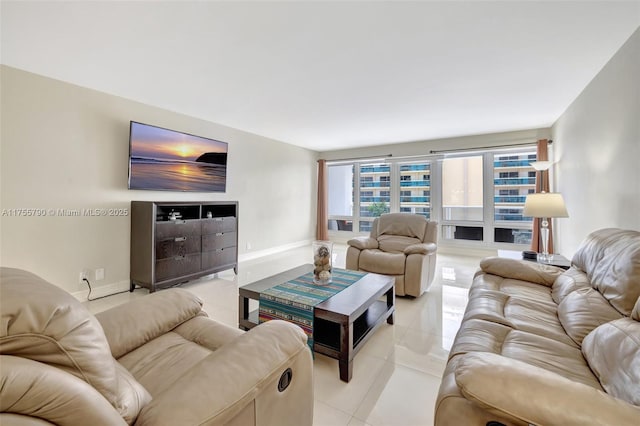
x=173, y=242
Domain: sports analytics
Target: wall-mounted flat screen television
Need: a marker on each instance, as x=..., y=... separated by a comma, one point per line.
x=166, y=160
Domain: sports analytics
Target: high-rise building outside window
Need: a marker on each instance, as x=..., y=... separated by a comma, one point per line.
x=514, y=178
x=477, y=201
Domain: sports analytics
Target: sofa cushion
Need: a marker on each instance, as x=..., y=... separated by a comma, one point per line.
x=518, y=288
x=163, y=360
x=403, y=224
x=44, y=323
x=613, y=353
x=396, y=243
x=611, y=259
x=522, y=270
x=133, y=396
x=162, y=311
x=584, y=310
x=573, y=279
x=517, y=313
x=382, y=262
x=38, y=394
x=549, y=354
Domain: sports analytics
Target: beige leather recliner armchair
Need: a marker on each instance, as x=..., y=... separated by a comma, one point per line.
x=157, y=360
x=401, y=245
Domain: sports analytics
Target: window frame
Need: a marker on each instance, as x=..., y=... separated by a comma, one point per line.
x=488, y=224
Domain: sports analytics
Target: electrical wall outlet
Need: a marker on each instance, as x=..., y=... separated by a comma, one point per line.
x=99, y=274
x=248, y=245
x=84, y=274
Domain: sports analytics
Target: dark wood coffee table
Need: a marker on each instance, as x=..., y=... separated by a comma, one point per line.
x=343, y=323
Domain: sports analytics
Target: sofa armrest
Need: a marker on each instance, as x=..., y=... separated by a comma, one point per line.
x=34, y=389
x=535, y=395
x=132, y=324
x=523, y=270
x=363, y=243
x=243, y=373
x=424, y=248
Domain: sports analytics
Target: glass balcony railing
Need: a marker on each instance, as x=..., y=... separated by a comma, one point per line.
x=510, y=199
x=415, y=183
x=512, y=163
x=375, y=184
x=414, y=168
x=512, y=217
x=515, y=181
x=375, y=199
x=414, y=199
x=374, y=169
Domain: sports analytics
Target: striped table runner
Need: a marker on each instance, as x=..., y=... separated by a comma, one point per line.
x=294, y=300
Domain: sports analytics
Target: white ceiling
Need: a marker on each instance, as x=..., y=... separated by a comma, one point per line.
x=329, y=75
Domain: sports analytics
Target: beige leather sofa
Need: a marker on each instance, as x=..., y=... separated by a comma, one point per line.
x=402, y=245
x=157, y=360
x=543, y=346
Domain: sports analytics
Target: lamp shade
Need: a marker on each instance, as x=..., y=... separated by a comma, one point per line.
x=545, y=204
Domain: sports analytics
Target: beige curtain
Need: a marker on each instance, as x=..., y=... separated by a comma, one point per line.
x=322, y=226
x=542, y=184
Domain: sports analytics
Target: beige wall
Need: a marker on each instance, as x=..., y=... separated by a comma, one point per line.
x=66, y=147
x=597, y=148
x=425, y=147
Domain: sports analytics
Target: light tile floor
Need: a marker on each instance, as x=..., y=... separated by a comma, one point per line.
x=396, y=374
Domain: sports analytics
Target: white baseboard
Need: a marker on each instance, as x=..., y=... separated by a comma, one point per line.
x=273, y=250
x=99, y=291
x=117, y=287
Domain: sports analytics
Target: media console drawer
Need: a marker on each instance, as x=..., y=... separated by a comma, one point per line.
x=177, y=266
x=178, y=228
x=172, y=242
x=218, y=241
x=219, y=224
x=178, y=246
x=218, y=258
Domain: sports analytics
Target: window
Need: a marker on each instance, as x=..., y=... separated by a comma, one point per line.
x=478, y=199
x=513, y=180
x=462, y=198
x=415, y=188
x=340, y=196
x=375, y=179
x=462, y=188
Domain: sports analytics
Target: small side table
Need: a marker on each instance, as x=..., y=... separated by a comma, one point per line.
x=558, y=260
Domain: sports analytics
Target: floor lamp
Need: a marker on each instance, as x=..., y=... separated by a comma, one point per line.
x=545, y=205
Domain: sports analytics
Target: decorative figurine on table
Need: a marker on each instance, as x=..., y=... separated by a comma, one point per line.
x=322, y=262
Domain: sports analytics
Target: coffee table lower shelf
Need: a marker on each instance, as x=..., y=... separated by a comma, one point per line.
x=342, y=323
x=326, y=333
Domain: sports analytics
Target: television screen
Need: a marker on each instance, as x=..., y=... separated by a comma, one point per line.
x=166, y=160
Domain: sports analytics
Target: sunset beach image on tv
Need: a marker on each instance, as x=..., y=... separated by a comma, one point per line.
x=163, y=159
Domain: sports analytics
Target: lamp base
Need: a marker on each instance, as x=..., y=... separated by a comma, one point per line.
x=545, y=257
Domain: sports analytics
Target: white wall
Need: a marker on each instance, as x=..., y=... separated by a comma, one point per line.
x=66, y=147
x=597, y=149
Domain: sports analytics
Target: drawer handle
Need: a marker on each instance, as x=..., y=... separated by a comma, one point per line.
x=179, y=258
x=179, y=222
x=180, y=239
x=217, y=219
x=219, y=250
x=219, y=234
